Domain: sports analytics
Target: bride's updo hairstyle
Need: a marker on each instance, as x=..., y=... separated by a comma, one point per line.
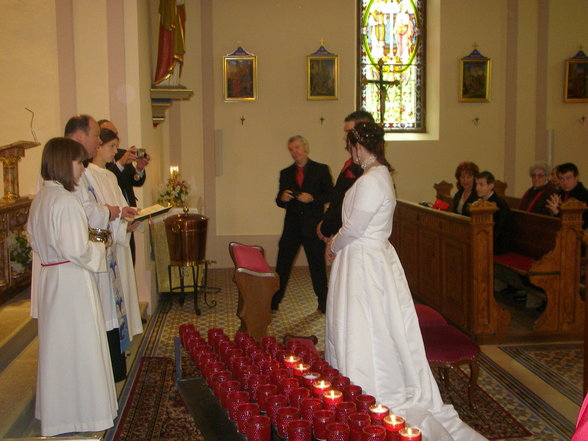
x=371, y=136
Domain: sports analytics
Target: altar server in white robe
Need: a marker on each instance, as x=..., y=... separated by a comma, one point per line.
x=75, y=384
x=107, y=191
x=372, y=331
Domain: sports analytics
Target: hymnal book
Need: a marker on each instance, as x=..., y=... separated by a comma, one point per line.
x=146, y=213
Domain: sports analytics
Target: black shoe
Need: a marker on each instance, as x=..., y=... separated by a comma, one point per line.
x=275, y=306
x=322, y=309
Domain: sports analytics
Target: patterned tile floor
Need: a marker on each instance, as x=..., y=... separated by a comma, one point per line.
x=545, y=412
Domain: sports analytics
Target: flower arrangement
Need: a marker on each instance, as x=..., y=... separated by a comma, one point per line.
x=176, y=190
x=19, y=251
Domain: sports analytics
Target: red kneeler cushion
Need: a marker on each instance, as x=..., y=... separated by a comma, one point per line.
x=250, y=258
x=428, y=316
x=448, y=345
x=514, y=260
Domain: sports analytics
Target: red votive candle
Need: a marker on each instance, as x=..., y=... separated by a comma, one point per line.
x=287, y=384
x=245, y=372
x=357, y=421
x=343, y=410
x=219, y=339
x=300, y=430
x=374, y=433
x=337, y=432
x=377, y=413
x=393, y=424
x=258, y=428
x=225, y=388
x=235, y=398
x=274, y=403
x=309, y=406
x=210, y=368
x=410, y=434
x=351, y=391
x=279, y=374
x=291, y=360
x=364, y=402
x=263, y=392
x=217, y=379
x=284, y=416
x=309, y=378
x=320, y=365
x=240, y=336
x=300, y=369
x=332, y=397
x=212, y=332
x=267, y=367
x=330, y=374
x=244, y=412
x=319, y=387
x=254, y=381
x=320, y=419
x=296, y=395
x=266, y=342
x=258, y=357
x=341, y=382
x=236, y=362
x=204, y=358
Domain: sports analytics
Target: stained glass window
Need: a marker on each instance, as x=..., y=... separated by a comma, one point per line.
x=392, y=63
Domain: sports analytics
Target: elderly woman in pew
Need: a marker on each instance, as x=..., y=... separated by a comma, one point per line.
x=535, y=198
x=465, y=174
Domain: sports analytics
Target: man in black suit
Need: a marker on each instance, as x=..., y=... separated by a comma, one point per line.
x=349, y=173
x=305, y=187
x=127, y=175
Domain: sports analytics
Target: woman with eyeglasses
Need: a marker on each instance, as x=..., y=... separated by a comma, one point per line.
x=535, y=198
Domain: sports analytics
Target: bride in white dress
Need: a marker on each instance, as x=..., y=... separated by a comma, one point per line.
x=372, y=331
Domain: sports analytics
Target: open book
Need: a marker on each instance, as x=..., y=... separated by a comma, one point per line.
x=146, y=213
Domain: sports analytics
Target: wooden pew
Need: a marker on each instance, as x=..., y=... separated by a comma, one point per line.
x=448, y=261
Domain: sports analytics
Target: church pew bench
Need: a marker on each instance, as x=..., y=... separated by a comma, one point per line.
x=256, y=284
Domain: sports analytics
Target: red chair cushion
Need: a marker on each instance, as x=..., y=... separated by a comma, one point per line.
x=448, y=345
x=250, y=258
x=428, y=316
x=514, y=260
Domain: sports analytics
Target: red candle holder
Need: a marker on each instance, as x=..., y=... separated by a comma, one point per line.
x=320, y=419
x=309, y=406
x=204, y=358
x=245, y=372
x=343, y=410
x=212, y=333
x=218, y=339
x=341, y=382
x=223, y=347
x=357, y=421
x=225, y=388
x=231, y=355
x=263, y=392
x=410, y=434
x=291, y=360
x=374, y=433
x=253, y=383
x=319, y=366
x=210, y=368
x=309, y=378
x=281, y=373
x=258, y=428
x=284, y=416
x=393, y=424
x=244, y=412
x=364, y=402
x=235, y=398
x=351, y=391
x=274, y=403
x=377, y=413
x=300, y=430
x=267, y=367
x=300, y=369
x=258, y=357
x=217, y=379
x=266, y=342
x=332, y=397
x=330, y=374
x=337, y=432
x=240, y=337
x=296, y=395
x=286, y=384
x=236, y=362
x=319, y=387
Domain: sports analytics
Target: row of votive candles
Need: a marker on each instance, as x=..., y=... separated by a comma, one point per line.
x=291, y=388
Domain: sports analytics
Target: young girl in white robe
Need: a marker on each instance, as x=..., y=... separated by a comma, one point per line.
x=108, y=192
x=75, y=385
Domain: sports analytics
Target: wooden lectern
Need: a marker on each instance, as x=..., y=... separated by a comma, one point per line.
x=10, y=155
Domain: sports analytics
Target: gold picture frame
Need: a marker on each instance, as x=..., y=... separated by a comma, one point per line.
x=322, y=75
x=240, y=76
x=576, y=81
x=475, y=78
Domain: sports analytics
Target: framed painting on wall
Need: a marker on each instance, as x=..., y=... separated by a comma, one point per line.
x=576, y=82
x=240, y=76
x=474, y=78
x=322, y=75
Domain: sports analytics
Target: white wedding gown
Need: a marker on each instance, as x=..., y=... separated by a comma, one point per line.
x=372, y=331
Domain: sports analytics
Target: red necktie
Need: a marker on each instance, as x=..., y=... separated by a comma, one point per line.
x=300, y=176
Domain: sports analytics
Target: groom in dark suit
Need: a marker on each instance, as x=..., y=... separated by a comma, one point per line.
x=305, y=187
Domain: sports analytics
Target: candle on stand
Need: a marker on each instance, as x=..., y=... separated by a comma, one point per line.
x=174, y=170
x=300, y=369
x=291, y=360
x=393, y=424
x=319, y=387
x=309, y=378
x=410, y=434
x=332, y=397
x=377, y=413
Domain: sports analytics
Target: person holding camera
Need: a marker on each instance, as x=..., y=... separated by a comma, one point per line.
x=127, y=174
x=305, y=187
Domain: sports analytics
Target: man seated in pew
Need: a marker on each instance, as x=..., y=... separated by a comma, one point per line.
x=485, y=190
x=570, y=187
x=465, y=174
x=535, y=198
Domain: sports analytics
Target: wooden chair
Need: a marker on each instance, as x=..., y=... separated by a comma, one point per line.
x=257, y=284
x=443, y=192
x=448, y=348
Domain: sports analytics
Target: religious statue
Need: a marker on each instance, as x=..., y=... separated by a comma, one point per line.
x=170, y=54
